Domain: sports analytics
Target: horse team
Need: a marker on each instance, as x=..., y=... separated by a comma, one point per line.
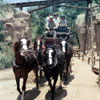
x=53, y=60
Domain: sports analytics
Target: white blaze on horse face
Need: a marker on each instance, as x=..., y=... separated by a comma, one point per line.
x=24, y=46
x=63, y=46
x=38, y=44
x=50, y=56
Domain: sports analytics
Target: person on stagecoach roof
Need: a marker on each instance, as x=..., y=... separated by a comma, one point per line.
x=56, y=19
x=51, y=24
x=62, y=21
x=48, y=16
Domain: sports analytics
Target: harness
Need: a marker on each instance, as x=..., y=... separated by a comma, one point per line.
x=15, y=65
x=52, y=65
x=26, y=59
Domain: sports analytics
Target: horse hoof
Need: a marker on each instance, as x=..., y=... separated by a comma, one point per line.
x=66, y=79
x=60, y=87
x=20, y=93
x=38, y=87
x=22, y=98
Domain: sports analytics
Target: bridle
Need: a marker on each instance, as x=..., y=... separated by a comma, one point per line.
x=50, y=58
x=63, y=44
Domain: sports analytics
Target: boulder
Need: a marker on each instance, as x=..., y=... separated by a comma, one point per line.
x=16, y=25
x=97, y=32
x=80, y=28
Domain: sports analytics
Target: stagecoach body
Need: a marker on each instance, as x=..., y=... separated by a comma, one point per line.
x=61, y=33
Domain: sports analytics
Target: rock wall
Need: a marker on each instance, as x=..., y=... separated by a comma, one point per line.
x=80, y=28
x=17, y=25
x=83, y=34
x=97, y=32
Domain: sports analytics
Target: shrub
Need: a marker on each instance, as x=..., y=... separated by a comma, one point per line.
x=6, y=55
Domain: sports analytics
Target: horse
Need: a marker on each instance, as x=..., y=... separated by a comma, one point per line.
x=67, y=49
x=38, y=48
x=53, y=66
x=25, y=60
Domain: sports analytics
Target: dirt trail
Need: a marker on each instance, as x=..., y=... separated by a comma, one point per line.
x=82, y=85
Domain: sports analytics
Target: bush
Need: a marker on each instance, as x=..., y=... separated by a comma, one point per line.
x=6, y=55
x=1, y=37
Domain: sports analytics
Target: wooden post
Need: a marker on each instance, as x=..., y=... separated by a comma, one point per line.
x=92, y=34
x=86, y=27
x=99, y=69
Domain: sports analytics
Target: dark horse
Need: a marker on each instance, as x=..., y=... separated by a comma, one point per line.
x=53, y=66
x=68, y=51
x=38, y=49
x=25, y=60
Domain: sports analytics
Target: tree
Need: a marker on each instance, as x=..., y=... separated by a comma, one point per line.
x=38, y=20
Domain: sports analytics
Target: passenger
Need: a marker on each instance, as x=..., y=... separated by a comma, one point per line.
x=56, y=19
x=62, y=21
x=47, y=18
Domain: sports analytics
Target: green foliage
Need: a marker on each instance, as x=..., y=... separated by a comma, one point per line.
x=71, y=15
x=5, y=8
x=1, y=34
x=38, y=21
x=38, y=18
x=1, y=37
x=6, y=55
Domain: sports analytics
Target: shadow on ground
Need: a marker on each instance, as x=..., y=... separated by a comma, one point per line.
x=70, y=78
x=30, y=94
x=60, y=93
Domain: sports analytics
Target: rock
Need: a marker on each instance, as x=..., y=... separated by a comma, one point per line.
x=97, y=32
x=16, y=24
x=80, y=28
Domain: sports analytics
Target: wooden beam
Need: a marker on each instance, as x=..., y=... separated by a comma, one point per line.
x=70, y=6
x=36, y=9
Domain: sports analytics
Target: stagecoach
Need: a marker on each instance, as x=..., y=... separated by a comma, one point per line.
x=61, y=33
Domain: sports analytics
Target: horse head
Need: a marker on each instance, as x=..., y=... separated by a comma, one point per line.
x=64, y=46
x=38, y=44
x=50, y=54
x=21, y=46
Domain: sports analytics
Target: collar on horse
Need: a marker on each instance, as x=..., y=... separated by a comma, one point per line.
x=15, y=65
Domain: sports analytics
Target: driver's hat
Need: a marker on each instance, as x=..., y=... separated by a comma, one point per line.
x=51, y=17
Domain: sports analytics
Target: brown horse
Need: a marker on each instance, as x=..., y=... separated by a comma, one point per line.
x=38, y=48
x=25, y=60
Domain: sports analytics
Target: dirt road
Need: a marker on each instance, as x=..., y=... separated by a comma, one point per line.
x=81, y=85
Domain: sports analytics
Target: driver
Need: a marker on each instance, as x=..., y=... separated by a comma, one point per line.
x=51, y=24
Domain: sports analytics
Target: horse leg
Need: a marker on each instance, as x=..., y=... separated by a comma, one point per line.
x=41, y=70
x=24, y=87
x=60, y=79
x=53, y=87
x=49, y=81
x=24, y=84
x=37, y=82
x=18, y=85
x=66, y=73
x=69, y=67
